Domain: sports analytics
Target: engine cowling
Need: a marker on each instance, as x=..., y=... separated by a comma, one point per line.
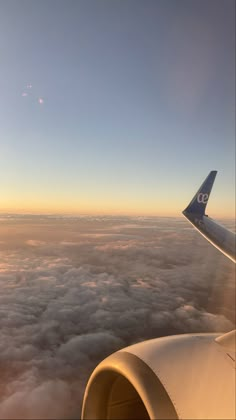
x=177, y=377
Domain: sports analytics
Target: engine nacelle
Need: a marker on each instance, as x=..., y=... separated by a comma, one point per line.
x=177, y=377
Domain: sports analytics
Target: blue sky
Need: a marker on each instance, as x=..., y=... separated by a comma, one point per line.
x=138, y=104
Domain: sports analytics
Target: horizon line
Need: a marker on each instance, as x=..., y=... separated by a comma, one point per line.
x=65, y=214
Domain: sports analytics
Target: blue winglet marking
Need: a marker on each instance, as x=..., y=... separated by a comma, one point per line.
x=200, y=200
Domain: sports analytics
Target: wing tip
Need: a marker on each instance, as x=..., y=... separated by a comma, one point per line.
x=199, y=201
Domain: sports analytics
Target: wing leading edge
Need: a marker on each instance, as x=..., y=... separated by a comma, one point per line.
x=222, y=238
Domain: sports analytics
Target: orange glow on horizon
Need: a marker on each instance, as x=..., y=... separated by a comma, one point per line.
x=115, y=208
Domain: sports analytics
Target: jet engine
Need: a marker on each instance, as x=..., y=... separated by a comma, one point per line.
x=178, y=377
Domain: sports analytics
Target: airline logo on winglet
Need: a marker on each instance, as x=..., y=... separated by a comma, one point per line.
x=202, y=198
x=199, y=202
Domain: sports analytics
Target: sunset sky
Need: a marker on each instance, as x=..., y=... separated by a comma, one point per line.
x=116, y=107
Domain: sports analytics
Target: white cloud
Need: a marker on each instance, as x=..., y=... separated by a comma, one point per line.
x=70, y=297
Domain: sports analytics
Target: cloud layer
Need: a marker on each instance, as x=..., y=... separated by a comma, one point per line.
x=74, y=290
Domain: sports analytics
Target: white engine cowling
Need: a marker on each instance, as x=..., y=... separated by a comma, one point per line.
x=177, y=377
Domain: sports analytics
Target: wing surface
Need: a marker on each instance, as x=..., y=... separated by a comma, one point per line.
x=218, y=235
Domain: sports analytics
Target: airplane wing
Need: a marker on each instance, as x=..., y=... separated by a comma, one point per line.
x=189, y=376
x=216, y=234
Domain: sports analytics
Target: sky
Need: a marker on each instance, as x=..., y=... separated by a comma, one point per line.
x=116, y=107
x=74, y=290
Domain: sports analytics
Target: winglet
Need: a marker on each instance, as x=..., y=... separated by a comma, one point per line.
x=200, y=200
